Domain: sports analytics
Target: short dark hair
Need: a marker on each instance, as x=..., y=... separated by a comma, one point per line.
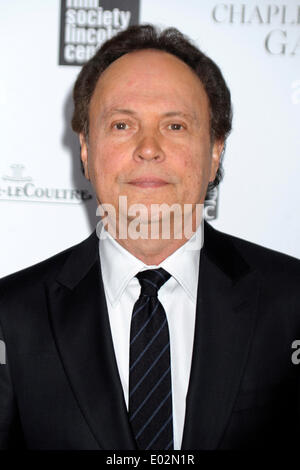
x=170, y=40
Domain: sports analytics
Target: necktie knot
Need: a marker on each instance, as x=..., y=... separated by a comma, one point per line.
x=151, y=280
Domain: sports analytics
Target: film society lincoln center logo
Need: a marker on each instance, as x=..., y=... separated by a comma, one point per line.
x=86, y=24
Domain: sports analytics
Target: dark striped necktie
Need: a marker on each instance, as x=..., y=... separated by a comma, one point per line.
x=150, y=392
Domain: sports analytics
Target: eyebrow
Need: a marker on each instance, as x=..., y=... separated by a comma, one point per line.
x=133, y=113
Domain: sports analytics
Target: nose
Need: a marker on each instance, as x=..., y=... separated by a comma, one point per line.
x=148, y=148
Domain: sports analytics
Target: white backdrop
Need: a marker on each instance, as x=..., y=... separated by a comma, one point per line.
x=258, y=49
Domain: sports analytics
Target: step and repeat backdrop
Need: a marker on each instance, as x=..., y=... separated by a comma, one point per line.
x=46, y=205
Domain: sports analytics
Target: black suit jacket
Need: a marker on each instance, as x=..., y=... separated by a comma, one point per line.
x=60, y=387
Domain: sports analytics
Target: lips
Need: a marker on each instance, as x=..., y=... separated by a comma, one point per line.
x=148, y=182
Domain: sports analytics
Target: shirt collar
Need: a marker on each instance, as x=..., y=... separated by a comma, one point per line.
x=119, y=266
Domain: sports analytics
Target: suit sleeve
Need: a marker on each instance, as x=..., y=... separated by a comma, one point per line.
x=11, y=436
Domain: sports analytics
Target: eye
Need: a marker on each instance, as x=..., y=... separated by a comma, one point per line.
x=121, y=126
x=175, y=127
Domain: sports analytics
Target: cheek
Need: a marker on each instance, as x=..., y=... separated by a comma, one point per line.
x=106, y=160
x=192, y=160
x=193, y=163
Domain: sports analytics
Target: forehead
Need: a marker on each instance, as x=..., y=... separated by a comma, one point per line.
x=149, y=77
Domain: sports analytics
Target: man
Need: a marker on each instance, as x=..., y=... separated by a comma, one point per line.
x=152, y=342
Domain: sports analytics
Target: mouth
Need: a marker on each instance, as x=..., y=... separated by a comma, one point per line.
x=148, y=182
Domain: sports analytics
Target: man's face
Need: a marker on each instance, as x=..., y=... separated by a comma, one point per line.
x=149, y=133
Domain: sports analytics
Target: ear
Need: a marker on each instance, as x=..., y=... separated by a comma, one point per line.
x=84, y=154
x=217, y=150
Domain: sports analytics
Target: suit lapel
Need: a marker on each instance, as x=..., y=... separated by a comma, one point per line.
x=225, y=319
x=81, y=329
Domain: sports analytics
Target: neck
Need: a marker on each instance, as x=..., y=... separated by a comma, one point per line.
x=152, y=251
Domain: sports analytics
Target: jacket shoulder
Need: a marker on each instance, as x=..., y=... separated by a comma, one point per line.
x=265, y=260
x=22, y=280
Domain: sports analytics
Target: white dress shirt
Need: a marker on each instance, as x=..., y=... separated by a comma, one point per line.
x=178, y=297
